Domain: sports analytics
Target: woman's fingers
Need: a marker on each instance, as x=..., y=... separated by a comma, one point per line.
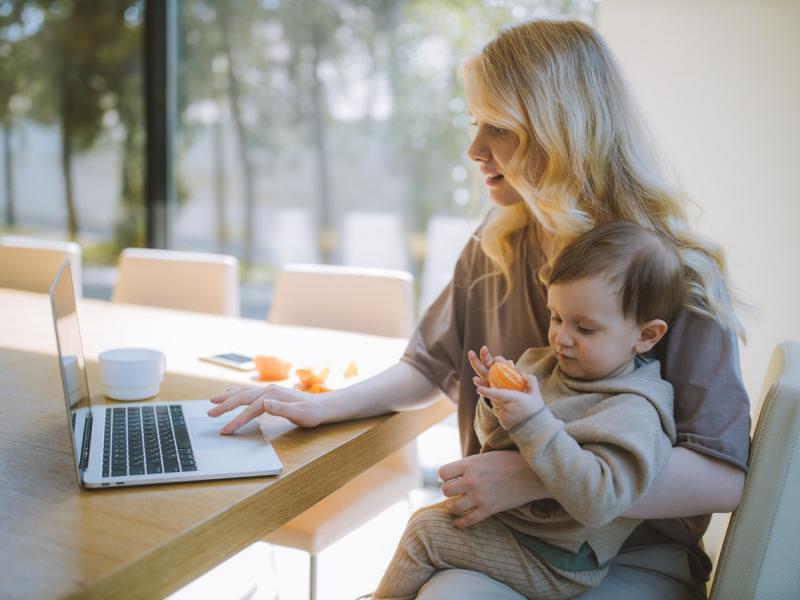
x=248, y=414
x=460, y=505
x=470, y=518
x=489, y=483
x=227, y=394
x=451, y=470
x=454, y=487
x=460, y=502
x=233, y=399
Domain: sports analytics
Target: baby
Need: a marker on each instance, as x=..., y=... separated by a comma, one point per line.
x=593, y=420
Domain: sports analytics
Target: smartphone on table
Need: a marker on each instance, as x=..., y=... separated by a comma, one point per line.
x=241, y=362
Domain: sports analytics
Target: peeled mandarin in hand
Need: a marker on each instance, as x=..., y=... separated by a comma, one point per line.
x=271, y=368
x=504, y=375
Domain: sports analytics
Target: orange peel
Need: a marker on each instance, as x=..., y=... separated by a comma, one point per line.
x=312, y=381
x=351, y=370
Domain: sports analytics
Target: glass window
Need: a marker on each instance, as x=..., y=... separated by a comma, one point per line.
x=72, y=126
x=310, y=130
x=331, y=131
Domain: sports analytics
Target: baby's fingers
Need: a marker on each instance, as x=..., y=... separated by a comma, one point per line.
x=481, y=370
x=533, y=383
x=480, y=381
x=486, y=356
x=499, y=395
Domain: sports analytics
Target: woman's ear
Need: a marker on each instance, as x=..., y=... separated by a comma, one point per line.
x=650, y=332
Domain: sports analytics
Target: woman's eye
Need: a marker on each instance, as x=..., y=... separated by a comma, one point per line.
x=555, y=319
x=497, y=130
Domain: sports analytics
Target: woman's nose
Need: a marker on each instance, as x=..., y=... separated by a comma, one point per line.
x=478, y=151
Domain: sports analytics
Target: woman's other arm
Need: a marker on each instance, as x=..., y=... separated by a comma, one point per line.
x=400, y=387
x=691, y=483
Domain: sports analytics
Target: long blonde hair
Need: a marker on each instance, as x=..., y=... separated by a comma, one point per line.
x=556, y=85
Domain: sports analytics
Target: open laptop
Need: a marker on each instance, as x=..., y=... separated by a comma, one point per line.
x=150, y=442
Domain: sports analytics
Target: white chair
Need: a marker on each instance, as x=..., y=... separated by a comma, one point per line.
x=760, y=556
x=368, y=301
x=376, y=301
x=183, y=280
x=31, y=263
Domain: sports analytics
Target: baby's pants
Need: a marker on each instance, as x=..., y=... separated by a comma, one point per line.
x=430, y=543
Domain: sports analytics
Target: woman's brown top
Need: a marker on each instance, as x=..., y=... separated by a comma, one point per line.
x=698, y=356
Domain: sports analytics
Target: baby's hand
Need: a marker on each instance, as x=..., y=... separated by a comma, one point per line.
x=481, y=363
x=511, y=407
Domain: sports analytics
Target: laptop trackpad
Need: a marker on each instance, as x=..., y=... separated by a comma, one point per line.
x=205, y=435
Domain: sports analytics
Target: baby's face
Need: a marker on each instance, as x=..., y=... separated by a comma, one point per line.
x=588, y=332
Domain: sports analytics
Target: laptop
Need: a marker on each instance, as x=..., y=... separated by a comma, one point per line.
x=150, y=442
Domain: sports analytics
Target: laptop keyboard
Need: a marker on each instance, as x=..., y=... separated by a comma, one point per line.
x=141, y=440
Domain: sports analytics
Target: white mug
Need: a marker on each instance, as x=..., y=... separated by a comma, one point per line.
x=132, y=373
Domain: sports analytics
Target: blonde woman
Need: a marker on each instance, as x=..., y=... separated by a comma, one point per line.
x=560, y=144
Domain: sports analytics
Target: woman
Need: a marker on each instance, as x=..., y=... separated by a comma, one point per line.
x=560, y=144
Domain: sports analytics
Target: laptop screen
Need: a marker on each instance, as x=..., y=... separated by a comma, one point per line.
x=71, y=364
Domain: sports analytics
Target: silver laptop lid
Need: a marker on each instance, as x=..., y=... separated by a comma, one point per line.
x=72, y=366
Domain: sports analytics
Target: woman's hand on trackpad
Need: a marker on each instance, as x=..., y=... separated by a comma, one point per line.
x=301, y=408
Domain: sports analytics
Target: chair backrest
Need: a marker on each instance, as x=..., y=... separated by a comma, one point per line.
x=376, y=301
x=194, y=281
x=31, y=264
x=760, y=556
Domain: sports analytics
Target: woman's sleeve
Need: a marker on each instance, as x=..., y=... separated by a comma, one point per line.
x=700, y=358
x=436, y=347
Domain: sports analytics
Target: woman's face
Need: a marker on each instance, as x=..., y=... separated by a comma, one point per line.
x=492, y=148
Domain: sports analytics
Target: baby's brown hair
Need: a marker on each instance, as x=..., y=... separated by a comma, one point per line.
x=645, y=265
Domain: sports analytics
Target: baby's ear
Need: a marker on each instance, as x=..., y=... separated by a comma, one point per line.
x=650, y=332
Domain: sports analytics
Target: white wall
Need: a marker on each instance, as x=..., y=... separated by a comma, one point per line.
x=719, y=84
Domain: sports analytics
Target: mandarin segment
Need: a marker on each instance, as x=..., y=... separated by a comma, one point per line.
x=504, y=375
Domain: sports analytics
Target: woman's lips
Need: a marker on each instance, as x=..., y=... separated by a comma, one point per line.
x=493, y=180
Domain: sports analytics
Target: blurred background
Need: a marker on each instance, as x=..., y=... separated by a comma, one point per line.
x=304, y=130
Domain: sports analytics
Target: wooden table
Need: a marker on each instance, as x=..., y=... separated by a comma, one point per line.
x=57, y=540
